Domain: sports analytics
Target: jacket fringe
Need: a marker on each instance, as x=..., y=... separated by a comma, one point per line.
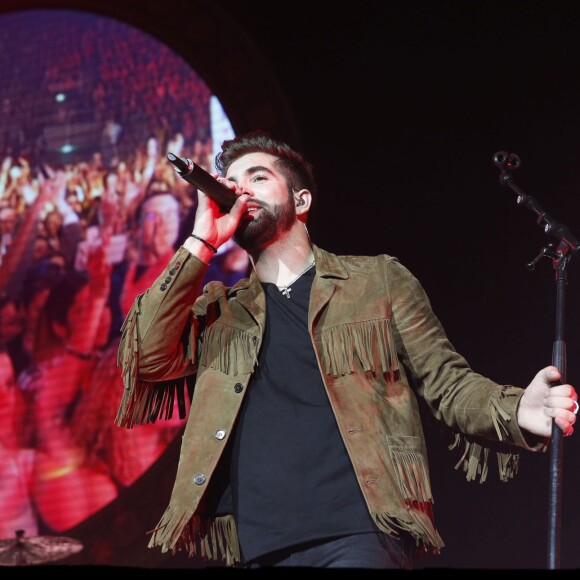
x=128, y=360
x=128, y=353
x=368, y=345
x=227, y=349
x=147, y=402
x=419, y=525
x=413, y=479
x=143, y=402
x=412, y=476
x=475, y=458
x=499, y=417
x=212, y=539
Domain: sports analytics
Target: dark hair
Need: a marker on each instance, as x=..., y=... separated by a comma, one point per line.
x=45, y=273
x=298, y=172
x=63, y=293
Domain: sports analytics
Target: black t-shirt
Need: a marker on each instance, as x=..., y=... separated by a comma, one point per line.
x=292, y=480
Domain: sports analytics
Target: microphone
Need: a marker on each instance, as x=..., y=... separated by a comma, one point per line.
x=202, y=180
x=506, y=161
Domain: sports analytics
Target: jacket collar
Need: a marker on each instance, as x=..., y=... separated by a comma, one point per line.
x=328, y=265
x=329, y=268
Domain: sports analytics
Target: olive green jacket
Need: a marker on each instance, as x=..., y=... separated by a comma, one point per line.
x=379, y=348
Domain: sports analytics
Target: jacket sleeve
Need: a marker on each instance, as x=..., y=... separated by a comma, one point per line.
x=157, y=351
x=480, y=412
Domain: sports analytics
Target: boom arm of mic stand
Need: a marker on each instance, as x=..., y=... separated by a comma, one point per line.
x=544, y=220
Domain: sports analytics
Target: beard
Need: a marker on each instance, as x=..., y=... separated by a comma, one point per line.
x=255, y=234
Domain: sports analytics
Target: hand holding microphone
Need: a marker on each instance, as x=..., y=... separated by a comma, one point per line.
x=202, y=180
x=210, y=229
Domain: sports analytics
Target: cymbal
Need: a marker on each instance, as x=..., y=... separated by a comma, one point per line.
x=21, y=551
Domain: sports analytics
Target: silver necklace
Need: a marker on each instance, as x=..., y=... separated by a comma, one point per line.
x=285, y=289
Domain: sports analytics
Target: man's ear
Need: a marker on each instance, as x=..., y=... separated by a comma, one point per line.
x=303, y=200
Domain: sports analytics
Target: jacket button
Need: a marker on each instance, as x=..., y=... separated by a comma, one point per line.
x=220, y=434
x=254, y=340
x=168, y=279
x=163, y=287
x=199, y=479
x=172, y=271
x=238, y=387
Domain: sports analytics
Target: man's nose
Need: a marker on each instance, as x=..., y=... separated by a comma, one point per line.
x=244, y=189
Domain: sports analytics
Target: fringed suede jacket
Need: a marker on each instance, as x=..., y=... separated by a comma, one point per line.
x=379, y=348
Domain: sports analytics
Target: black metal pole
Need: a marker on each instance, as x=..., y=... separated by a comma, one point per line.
x=556, y=442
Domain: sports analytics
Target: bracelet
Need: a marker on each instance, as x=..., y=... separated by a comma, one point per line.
x=206, y=243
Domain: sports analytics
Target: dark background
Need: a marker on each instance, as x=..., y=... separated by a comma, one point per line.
x=401, y=107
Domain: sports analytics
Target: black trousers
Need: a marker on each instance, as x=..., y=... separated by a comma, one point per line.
x=368, y=550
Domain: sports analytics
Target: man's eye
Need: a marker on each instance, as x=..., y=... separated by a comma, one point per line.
x=259, y=178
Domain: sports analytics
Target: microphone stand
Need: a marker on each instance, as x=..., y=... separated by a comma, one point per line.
x=560, y=255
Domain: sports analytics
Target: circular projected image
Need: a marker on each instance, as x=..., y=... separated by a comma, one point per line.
x=90, y=212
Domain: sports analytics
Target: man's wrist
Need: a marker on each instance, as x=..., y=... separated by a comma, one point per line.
x=199, y=248
x=204, y=242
